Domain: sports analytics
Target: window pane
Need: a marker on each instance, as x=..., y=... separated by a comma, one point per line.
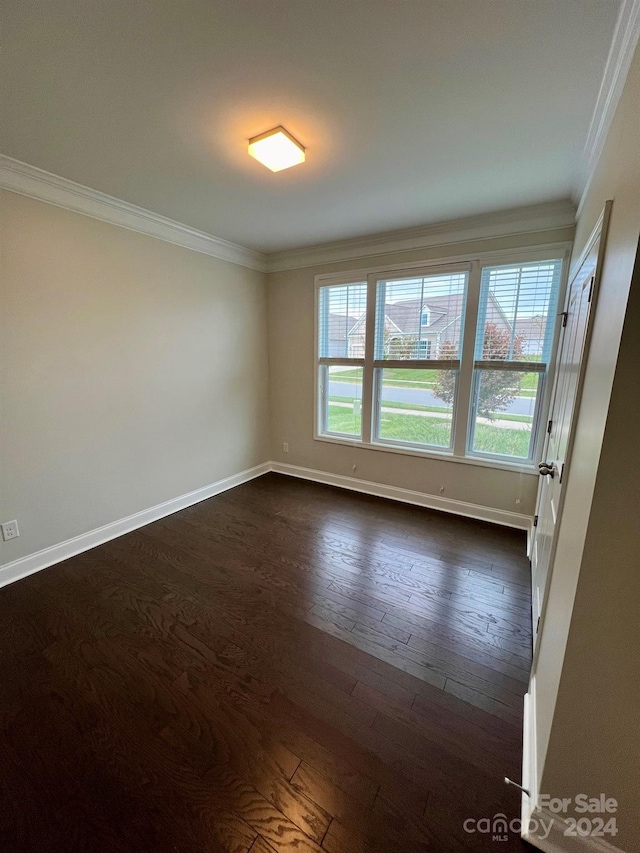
x=517, y=308
x=343, y=393
x=504, y=407
x=416, y=406
x=420, y=318
x=342, y=320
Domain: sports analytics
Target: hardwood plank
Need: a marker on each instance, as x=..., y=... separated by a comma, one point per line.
x=505, y=710
x=381, y=816
x=456, y=736
x=466, y=648
x=261, y=846
x=284, y=667
x=449, y=665
x=483, y=649
x=342, y=839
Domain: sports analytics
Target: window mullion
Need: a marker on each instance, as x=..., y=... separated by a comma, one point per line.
x=465, y=377
x=418, y=364
x=367, y=373
x=514, y=366
x=341, y=362
x=321, y=396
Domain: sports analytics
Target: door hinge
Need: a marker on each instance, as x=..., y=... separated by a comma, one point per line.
x=549, y=425
x=591, y=283
x=538, y=625
x=535, y=520
x=565, y=317
x=561, y=473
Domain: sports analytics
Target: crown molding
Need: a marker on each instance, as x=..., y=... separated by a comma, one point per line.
x=27, y=180
x=521, y=220
x=24, y=179
x=623, y=46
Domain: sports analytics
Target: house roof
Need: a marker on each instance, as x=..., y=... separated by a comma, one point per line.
x=340, y=325
x=406, y=314
x=445, y=310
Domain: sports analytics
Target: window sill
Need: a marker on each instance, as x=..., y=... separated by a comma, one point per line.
x=445, y=456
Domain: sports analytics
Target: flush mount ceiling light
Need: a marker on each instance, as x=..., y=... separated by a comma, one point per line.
x=276, y=149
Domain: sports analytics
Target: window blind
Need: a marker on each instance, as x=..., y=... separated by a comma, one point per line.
x=420, y=318
x=342, y=320
x=517, y=303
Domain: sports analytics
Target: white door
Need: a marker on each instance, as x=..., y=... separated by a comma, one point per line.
x=564, y=402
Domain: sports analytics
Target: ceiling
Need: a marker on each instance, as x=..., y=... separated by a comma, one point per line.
x=412, y=111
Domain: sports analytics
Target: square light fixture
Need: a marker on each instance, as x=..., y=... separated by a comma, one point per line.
x=276, y=149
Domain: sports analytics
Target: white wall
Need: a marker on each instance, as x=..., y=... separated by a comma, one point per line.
x=292, y=365
x=133, y=371
x=588, y=675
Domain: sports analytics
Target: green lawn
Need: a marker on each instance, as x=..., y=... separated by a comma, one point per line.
x=507, y=442
x=416, y=407
x=433, y=431
x=404, y=378
x=341, y=419
x=415, y=428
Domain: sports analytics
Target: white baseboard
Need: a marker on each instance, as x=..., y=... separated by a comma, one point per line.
x=24, y=566
x=469, y=510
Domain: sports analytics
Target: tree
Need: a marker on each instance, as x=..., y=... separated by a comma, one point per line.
x=498, y=388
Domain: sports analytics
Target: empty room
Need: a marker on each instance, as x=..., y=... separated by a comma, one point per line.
x=319, y=426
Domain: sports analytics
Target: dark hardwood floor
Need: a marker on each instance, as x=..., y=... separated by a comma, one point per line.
x=285, y=667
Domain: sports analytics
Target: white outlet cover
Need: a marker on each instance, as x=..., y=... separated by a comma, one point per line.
x=10, y=530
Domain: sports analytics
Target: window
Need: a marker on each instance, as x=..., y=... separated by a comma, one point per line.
x=468, y=382
x=424, y=349
x=405, y=363
x=512, y=352
x=341, y=348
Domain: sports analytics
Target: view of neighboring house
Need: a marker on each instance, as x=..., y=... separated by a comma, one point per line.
x=339, y=327
x=416, y=328
x=531, y=330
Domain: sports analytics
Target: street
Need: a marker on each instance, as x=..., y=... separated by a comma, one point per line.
x=423, y=397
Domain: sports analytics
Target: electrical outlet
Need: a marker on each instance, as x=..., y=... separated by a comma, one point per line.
x=518, y=501
x=285, y=446
x=354, y=469
x=441, y=490
x=10, y=530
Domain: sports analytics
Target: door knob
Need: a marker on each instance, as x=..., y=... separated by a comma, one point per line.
x=546, y=469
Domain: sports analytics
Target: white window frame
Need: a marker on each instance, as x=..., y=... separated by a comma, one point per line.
x=462, y=430
x=320, y=411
